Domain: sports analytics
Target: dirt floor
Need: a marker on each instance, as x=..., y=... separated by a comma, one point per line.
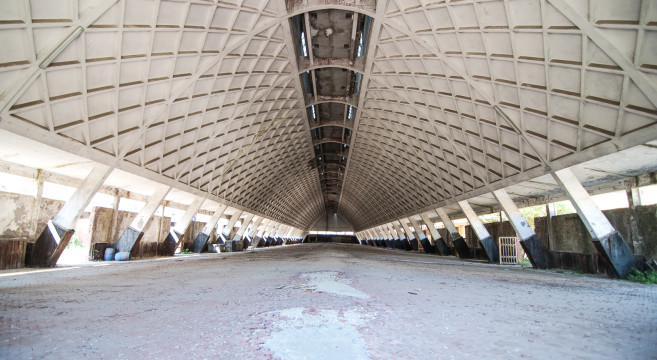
x=321, y=301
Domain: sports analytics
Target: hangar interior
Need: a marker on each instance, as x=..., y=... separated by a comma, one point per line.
x=155, y=129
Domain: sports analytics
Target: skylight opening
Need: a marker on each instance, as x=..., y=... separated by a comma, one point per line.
x=312, y=110
x=350, y=114
x=360, y=46
x=304, y=47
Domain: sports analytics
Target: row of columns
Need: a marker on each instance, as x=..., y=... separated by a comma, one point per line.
x=53, y=239
x=609, y=243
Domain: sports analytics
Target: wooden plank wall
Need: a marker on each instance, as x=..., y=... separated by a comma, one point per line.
x=12, y=254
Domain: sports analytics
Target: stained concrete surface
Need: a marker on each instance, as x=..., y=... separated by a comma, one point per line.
x=321, y=301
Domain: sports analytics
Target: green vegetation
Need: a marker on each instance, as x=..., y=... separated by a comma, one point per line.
x=649, y=277
x=74, y=242
x=186, y=251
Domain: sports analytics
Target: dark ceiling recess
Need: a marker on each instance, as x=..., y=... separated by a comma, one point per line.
x=331, y=47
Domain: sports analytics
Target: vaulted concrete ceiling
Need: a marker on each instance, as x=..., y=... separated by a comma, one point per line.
x=439, y=101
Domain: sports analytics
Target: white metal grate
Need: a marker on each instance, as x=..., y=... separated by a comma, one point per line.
x=510, y=251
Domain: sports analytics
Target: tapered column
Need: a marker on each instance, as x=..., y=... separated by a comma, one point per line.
x=203, y=237
x=177, y=232
x=462, y=248
x=530, y=242
x=53, y=239
x=132, y=235
x=402, y=236
x=426, y=245
x=245, y=224
x=397, y=241
x=611, y=246
x=257, y=237
x=487, y=242
x=409, y=234
x=390, y=242
x=227, y=232
x=438, y=241
x=254, y=229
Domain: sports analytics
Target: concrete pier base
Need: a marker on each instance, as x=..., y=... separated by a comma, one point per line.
x=200, y=241
x=617, y=256
x=49, y=246
x=170, y=243
x=428, y=248
x=128, y=240
x=462, y=248
x=536, y=252
x=490, y=248
x=441, y=247
x=414, y=245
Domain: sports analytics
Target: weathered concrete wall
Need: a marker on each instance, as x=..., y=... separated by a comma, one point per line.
x=19, y=214
x=190, y=235
x=21, y=221
x=570, y=234
x=104, y=231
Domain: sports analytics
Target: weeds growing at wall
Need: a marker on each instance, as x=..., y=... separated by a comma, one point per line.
x=649, y=277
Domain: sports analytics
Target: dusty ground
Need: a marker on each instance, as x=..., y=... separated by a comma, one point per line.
x=322, y=301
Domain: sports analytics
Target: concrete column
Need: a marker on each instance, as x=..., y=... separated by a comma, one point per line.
x=530, y=242
x=426, y=245
x=550, y=211
x=177, y=232
x=227, y=232
x=409, y=234
x=382, y=235
x=438, y=241
x=397, y=242
x=245, y=224
x=254, y=229
x=404, y=244
x=132, y=235
x=389, y=240
x=267, y=238
x=460, y=245
x=52, y=241
x=487, y=242
x=371, y=237
x=610, y=244
x=203, y=237
x=287, y=235
x=359, y=236
x=258, y=234
x=634, y=200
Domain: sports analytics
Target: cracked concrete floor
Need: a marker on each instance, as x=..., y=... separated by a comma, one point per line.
x=321, y=301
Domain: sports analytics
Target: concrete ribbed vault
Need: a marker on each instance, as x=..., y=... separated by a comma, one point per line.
x=457, y=98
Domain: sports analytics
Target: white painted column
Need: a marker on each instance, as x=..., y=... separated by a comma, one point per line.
x=530, y=242
x=487, y=242
x=609, y=242
x=462, y=248
x=69, y=214
x=203, y=237
x=226, y=232
x=134, y=232
x=412, y=241
x=244, y=225
x=52, y=241
x=438, y=241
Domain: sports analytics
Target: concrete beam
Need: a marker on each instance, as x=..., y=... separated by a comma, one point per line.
x=487, y=242
x=438, y=241
x=530, y=242
x=53, y=239
x=611, y=246
x=245, y=224
x=132, y=235
x=460, y=245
